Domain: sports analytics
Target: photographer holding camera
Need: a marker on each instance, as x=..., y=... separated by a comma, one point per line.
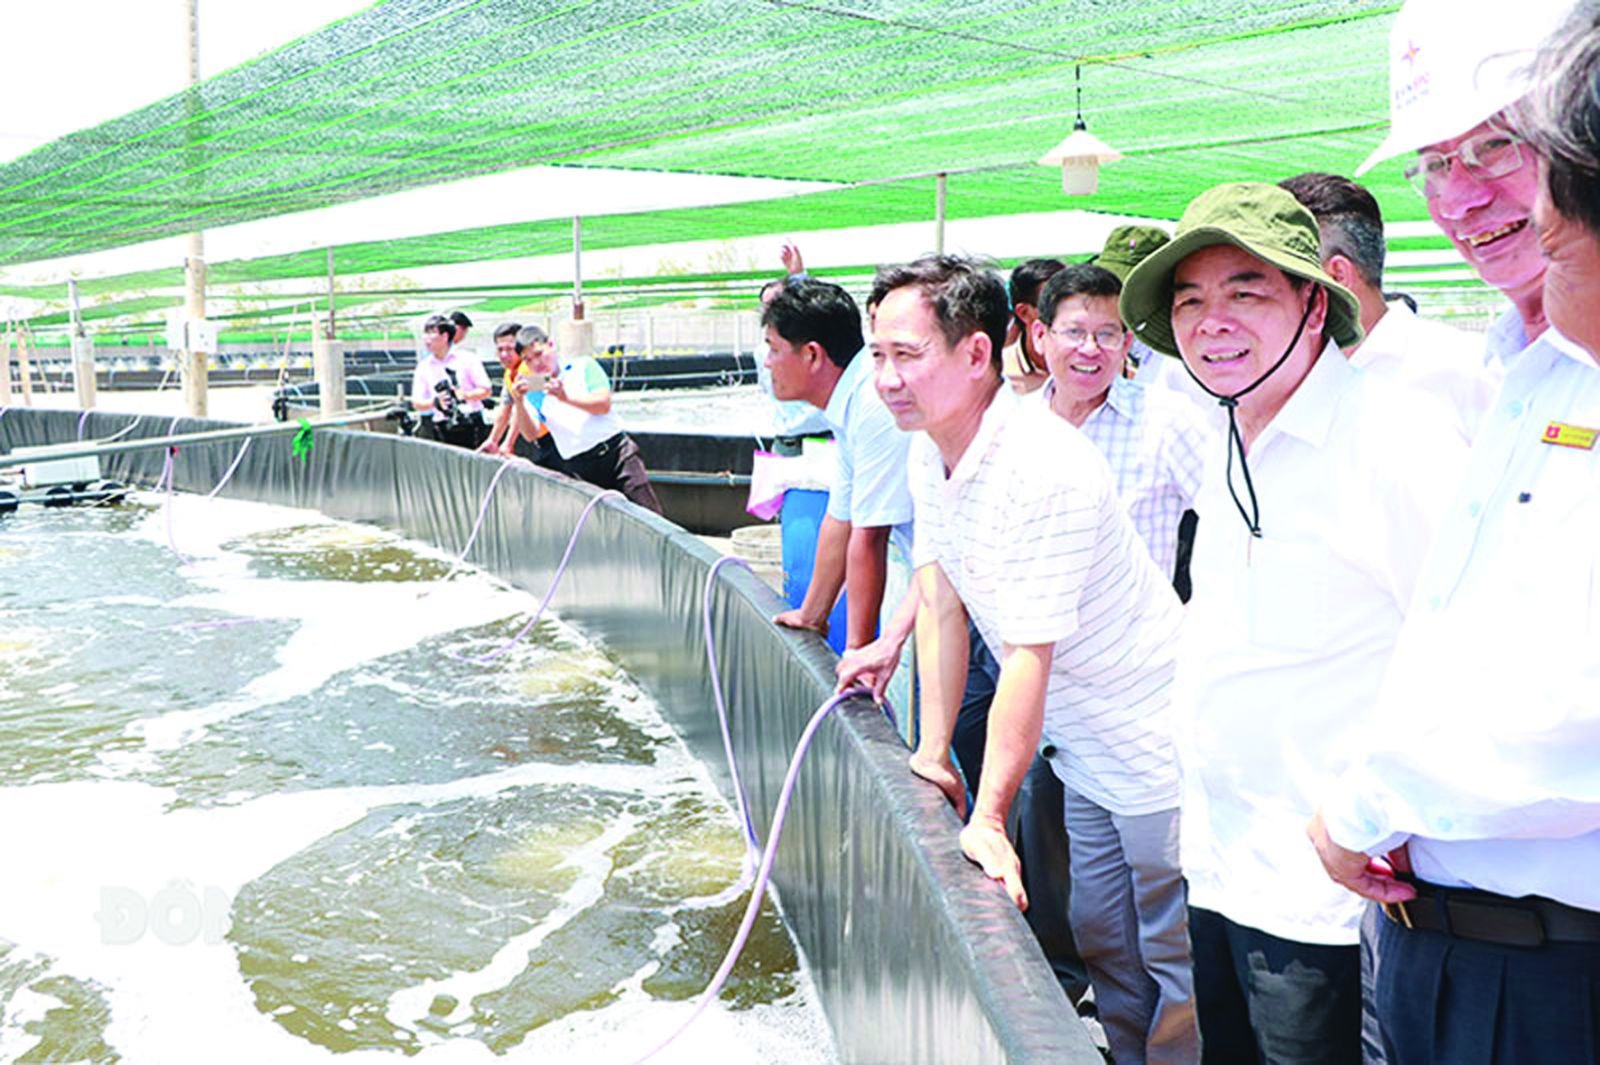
x=450, y=386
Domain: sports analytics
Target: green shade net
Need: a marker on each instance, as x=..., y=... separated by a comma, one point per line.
x=415, y=92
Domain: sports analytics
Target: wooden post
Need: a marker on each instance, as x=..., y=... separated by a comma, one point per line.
x=24, y=368
x=332, y=328
x=5, y=367
x=328, y=366
x=192, y=365
x=577, y=268
x=82, y=352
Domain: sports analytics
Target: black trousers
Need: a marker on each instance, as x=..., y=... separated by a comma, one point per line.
x=540, y=452
x=615, y=463
x=468, y=431
x=1269, y=1001
x=1037, y=825
x=1448, y=1001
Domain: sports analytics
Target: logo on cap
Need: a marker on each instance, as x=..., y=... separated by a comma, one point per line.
x=1411, y=52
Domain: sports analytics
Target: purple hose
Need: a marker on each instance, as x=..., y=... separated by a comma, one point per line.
x=82, y=418
x=166, y=478
x=751, y=840
x=758, y=890
x=549, y=592
x=229, y=475
x=477, y=526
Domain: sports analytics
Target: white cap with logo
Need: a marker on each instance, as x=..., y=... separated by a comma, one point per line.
x=1454, y=64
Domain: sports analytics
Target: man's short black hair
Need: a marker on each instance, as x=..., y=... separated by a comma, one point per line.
x=506, y=329
x=1027, y=278
x=1079, y=279
x=965, y=294
x=438, y=323
x=775, y=283
x=460, y=318
x=807, y=310
x=1348, y=218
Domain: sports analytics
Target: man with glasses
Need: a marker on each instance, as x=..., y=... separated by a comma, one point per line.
x=1154, y=441
x=1470, y=811
x=1451, y=78
x=1315, y=518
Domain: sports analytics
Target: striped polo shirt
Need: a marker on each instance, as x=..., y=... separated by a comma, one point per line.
x=1029, y=530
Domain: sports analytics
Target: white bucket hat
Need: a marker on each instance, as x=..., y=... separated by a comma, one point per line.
x=1453, y=64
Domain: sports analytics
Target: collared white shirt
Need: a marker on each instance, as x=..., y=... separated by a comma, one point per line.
x=458, y=367
x=1508, y=338
x=1156, y=445
x=1288, y=635
x=1029, y=530
x=1433, y=358
x=869, y=487
x=1489, y=752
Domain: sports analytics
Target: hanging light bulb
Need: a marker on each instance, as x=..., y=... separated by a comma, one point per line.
x=1081, y=154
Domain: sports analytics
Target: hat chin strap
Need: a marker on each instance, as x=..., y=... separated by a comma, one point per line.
x=1252, y=517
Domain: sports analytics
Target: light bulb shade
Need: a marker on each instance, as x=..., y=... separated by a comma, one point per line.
x=1080, y=177
x=1081, y=146
x=1079, y=157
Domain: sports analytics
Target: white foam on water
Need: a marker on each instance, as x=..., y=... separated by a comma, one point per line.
x=26, y=1007
x=592, y=860
x=77, y=851
x=95, y=845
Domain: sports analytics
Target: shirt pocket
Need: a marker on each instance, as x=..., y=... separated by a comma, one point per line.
x=1290, y=596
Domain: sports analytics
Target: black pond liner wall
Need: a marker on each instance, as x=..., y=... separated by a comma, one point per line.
x=917, y=957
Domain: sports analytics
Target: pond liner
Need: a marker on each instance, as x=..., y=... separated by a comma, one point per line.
x=915, y=954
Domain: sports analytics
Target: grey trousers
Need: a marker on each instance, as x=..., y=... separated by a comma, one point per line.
x=1130, y=918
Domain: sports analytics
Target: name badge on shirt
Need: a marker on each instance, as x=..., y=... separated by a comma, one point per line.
x=1565, y=435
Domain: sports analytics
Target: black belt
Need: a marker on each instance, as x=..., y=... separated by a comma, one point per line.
x=1468, y=913
x=601, y=449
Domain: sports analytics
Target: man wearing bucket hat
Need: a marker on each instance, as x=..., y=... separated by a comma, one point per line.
x=1316, y=516
x=1480, y=785
x=1125, y=248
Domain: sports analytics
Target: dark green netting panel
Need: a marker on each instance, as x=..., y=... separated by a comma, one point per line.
x=415, y=92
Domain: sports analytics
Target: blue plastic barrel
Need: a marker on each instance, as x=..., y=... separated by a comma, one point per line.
x=801, y=518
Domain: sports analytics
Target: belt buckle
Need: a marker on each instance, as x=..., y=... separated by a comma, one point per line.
x=1397, y=912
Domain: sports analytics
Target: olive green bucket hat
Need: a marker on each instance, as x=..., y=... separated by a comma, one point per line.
x=1128, y=246
x=1263, y=220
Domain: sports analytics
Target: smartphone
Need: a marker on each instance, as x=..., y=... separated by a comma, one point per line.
x=537, y=382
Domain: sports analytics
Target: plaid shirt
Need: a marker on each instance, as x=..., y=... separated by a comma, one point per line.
x=1155, y=443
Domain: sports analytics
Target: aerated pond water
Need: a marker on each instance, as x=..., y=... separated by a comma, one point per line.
x=255, y=808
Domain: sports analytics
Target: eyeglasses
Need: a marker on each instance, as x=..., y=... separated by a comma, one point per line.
x=1491, y=154
x=1105, y=339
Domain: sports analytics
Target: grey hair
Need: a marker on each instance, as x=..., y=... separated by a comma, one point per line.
x=1560, y=118
x=529, y=335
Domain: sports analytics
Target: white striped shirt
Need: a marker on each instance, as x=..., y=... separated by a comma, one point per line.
x=1030, y=532
x=1156, y=444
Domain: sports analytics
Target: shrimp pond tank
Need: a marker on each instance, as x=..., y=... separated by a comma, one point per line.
x=259, y=804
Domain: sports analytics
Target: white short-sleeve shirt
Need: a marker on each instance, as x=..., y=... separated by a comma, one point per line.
x=869, y=488
x=1029, y=530
x=1288, y=635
